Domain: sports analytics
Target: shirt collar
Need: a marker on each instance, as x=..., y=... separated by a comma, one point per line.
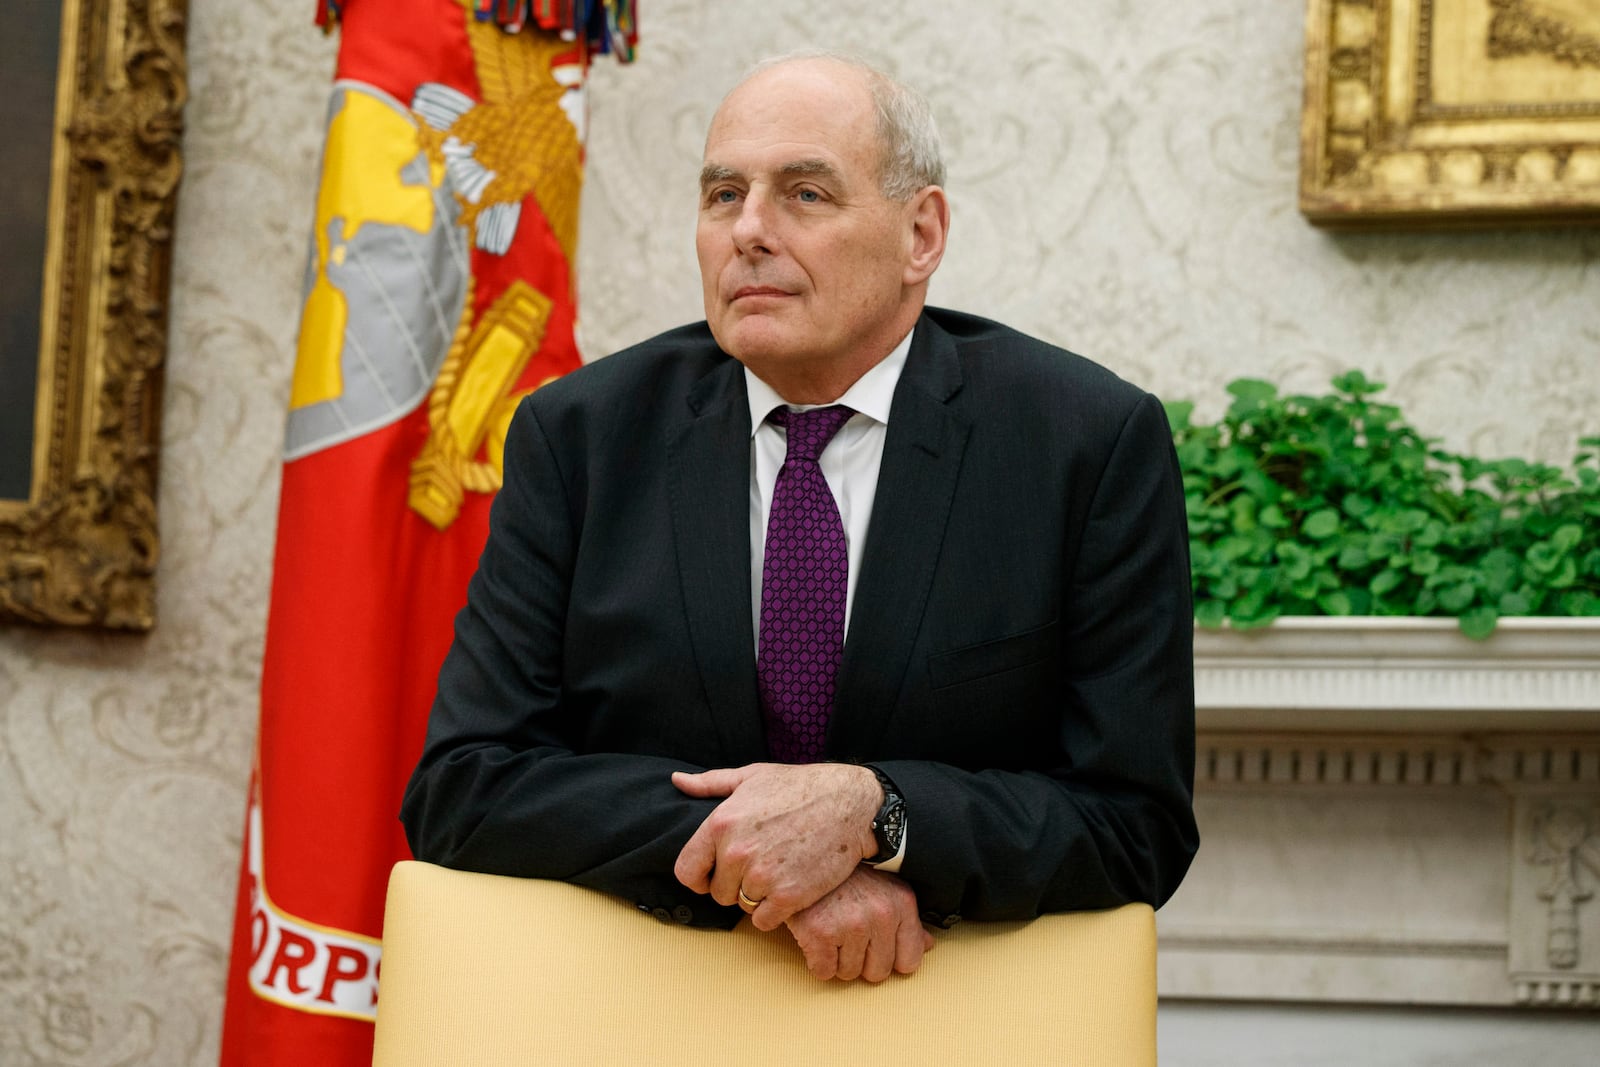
x=872, y=394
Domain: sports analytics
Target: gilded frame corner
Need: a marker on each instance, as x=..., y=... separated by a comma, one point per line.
x=82, y=549
x=1439, y=113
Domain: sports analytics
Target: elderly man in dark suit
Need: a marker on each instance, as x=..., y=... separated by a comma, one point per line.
x=844, y=611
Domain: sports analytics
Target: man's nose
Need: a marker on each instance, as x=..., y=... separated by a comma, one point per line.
x=752, y=230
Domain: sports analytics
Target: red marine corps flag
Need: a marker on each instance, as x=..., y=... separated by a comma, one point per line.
x=438, y=293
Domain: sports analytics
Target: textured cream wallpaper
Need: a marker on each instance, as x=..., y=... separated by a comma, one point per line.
x=1123, y=182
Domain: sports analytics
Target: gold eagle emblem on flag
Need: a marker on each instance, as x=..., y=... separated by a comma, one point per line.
x=391, y=313
x=518, y=140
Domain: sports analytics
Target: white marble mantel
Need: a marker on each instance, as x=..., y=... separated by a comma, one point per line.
x=1394, y=813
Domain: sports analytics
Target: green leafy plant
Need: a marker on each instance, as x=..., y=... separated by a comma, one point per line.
x=1335, y=505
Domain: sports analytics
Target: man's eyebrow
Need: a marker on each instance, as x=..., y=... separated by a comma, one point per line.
x=712, y=173
x=814, y=168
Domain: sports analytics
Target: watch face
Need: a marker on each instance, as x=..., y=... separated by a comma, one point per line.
x=889, y=826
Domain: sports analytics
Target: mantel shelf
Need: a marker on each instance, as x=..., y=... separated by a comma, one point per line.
x=1315, y=674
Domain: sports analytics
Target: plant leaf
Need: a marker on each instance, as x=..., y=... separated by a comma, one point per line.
x=1322, y=524
x=1455, y=598
x=1178, y=412
x=1336, y=603
x=1516, y=603
x=1385, y=581
x=1566, y=537
x=1252, y=389
x=1479, y=623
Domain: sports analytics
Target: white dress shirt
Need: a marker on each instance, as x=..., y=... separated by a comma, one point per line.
x=849, y=463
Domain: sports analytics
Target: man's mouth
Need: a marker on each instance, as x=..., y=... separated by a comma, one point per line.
x=758, y=291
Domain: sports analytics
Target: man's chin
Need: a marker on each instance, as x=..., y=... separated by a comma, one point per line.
x=748, y=340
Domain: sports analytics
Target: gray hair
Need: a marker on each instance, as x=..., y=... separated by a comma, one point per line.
x=909, y=141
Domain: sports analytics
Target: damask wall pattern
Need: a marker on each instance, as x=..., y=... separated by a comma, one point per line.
x=1123, y=178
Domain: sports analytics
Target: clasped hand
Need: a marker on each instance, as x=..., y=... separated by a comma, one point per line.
x=793, y=838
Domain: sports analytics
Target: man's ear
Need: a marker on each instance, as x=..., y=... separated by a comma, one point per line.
x=928, y=215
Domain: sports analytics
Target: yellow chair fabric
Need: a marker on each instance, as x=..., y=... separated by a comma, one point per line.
x=483, y=971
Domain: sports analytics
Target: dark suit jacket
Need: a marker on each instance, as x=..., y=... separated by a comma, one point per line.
x=1019, y=659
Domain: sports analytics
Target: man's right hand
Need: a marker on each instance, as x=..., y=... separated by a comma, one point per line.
x=866, y=928
x=786, y=834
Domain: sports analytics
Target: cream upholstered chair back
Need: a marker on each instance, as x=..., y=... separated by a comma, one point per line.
x=483, y=971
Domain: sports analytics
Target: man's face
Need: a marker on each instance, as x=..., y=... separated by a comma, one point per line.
x=803, y=260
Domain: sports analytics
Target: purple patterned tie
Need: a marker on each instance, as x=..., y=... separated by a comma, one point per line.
x=802, y=592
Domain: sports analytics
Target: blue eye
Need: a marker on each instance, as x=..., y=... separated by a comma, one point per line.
x=809, y=196
x=725, y=196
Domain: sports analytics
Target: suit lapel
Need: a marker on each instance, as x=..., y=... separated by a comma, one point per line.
x=916, y=483
x=709, y=459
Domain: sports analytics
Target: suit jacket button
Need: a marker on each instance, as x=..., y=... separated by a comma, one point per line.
x=951, y=920
x=642, y=906
x=662, y=915
x=683, y=914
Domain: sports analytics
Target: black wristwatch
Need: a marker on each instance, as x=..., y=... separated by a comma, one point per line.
x=889, y=825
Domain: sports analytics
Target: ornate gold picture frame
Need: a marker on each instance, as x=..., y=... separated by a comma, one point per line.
x=1451, y=112
x=81, y=550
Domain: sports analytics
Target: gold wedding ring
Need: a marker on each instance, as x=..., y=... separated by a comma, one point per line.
x=746, y=903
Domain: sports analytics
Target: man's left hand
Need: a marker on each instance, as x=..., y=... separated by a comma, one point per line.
x=867, y=928
x=787, y=835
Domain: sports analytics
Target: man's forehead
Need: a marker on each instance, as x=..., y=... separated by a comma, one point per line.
x=805, y=99
x=796, y=80
x=801, y=117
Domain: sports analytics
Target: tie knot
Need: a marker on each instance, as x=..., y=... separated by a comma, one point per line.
x=810, y=431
